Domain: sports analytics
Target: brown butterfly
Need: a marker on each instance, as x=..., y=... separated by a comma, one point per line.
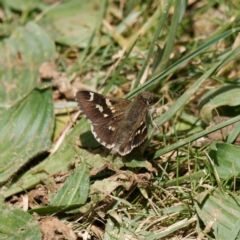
x=116, y=123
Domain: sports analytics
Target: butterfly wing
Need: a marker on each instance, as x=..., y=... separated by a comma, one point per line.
x=104, y=113
x=135, y=139
x=98, y=108
x=104, y=134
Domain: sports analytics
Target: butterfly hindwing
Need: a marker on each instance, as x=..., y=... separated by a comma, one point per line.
x=136, y=138
x=140, y=134
x=105, y=132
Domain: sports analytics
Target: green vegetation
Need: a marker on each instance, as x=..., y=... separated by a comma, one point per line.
x=185, y=184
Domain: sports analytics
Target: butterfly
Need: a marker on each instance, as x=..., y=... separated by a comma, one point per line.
x=118, y=124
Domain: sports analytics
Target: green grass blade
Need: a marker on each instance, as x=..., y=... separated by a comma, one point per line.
x=182, y=61
x=164, y=15
x=195, y=136
x=179, y=9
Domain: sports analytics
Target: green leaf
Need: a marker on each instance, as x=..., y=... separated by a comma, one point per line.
x=75, y=190
x=72, y=194
x=20, y=58
x=26, y=131
x=23, y=5
x=73, y=23
x=224, y=95
x=59, y=161
x=221, y=212
x=17, y=224
x=226, y=159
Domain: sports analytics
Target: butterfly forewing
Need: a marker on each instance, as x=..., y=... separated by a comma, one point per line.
x=100, y=109
x=104, y=113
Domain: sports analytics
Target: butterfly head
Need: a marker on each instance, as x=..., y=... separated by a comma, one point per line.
x=146, y=97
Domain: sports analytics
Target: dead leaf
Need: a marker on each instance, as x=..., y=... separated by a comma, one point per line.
x=53, y=228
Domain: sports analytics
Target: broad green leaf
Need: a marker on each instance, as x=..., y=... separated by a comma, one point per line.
x=224, y=95
x=23, y=5
x=226, y=159
x=25, y=131
x=75, y=190
x=68, y=152
x=73, y=22
x=72, y=194
x=20, y=58
x=17, y=224
x=220, y=211
x=101, y=189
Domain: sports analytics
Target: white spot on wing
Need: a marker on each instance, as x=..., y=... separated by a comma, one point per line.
x=91, y=96
x=93, y=132
x=108, y=102
x=105, y=115
x=110, y=145
x=100, y=108
x=144, y=128
x=111, y=128
x=138, y=132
